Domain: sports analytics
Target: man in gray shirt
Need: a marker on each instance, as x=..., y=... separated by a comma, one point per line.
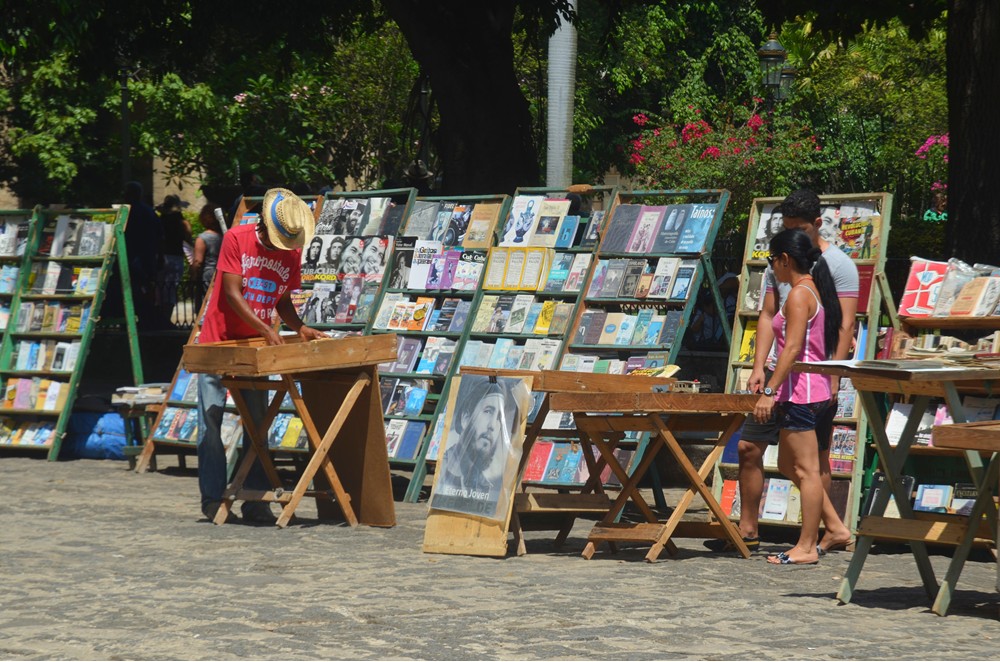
x=800, y=210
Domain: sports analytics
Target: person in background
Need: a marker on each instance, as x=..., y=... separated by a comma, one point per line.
x=176, y=233
x=143, y=238
x=206, y=253
x=258, y=267
x=806, y=329
x=799, y=210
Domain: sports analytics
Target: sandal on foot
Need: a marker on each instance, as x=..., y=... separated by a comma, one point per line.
x=725, y=545
x=844, y=544
x=784, y=559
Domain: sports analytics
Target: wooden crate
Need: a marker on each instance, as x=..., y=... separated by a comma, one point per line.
x=252, y=357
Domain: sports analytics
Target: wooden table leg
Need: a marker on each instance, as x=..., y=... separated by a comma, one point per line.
x=696, y=480
x=257, y=451
x=985, y=497
x=321, y=448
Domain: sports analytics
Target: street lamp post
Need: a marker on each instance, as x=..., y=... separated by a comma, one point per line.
x=776, y=78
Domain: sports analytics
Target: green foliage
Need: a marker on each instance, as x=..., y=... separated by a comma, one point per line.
x=751, y=154
x=655, y=58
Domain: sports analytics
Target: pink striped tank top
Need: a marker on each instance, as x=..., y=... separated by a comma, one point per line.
x=804, y=387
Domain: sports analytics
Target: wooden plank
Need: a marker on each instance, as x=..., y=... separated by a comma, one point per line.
x=551, y=381
x=653, y=402
x=458, y=533
x=855, y=372
x=552, y=502
x=980, y=436
x=690, y=529
x=906, y=530
x=251, y=357
x=626, y=532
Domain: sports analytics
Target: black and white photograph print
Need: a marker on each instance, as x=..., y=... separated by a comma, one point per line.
x=374, y=256
x=350, y=258
x=477, y=471
x=321, y=258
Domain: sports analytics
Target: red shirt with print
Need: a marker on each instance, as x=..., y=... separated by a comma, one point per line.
x=267, y=275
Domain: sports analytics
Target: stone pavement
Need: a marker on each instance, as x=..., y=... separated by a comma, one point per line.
x=101, y=563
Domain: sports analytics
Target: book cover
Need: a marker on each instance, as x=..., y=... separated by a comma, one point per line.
x=513, y=358
x=445, y=356
x=293, y=431
x=611, y=326
x=866, y=276
x=963, y=499
x=407, y=353
x=577, y=273
x=180, y=384
x=645, y=282
x=428, y=358
x=519, y=313
x=670, y=229
x=424, y=253
x=538, y=460
x=683, y=280
x=933, y=498
x=729, y=490
x=421, y=219
x=482, y=225
x=567, y=231
x=544, y=322
x=592, y=232
x=461, y=316
x=516, y=259
x=484, y=314
x=391, y=220
x=445, y=314
x=559, y=272
x=561, y=318
x=663, y=277
x=521, y=220
x=625, y=330
x=496, y=268
x=753, y=297
x=776, y=499
x=597, y=279
x=409, y=443
x=501, y=314
x=550, y=216
x=92, y=239
x=435, y=273
x=630, y=281
x=386, y=388
x=470, y=352
x=469, y=270
x=500, y=349
x=613, y=279
x=672, y=328
x=535, y=265
x=442, y=221
x=394, y=429
x=646, y=226
x=748, y=344
x=694, y=232
x=452, y=260
x=415, y=400
x=859, y=237
x=620, y=228
x=592, y=334
x=923, y=285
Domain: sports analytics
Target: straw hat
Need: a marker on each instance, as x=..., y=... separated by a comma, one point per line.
x=289, y=221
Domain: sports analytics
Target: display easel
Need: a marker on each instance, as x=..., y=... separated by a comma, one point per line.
x=559, y=510
x=352, y=474
x=663, y=415
x=703, y=272
x=877, y=299
x=113, y=253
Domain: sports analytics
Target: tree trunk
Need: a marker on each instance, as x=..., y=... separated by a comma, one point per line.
x=973, y=232
x=465, y=47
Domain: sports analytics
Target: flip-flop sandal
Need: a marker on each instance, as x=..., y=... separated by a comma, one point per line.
x=835, y=546
x=785, y=559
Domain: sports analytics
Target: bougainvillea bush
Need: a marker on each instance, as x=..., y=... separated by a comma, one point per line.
x=746, y=150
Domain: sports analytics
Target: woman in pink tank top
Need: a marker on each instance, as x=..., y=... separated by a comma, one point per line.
x=806, y=328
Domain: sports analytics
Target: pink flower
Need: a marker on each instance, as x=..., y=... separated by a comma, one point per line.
x=656, y=132
x=755, y=122
x=640, y=119
x=712, y=151
x=240, y=98
x=635, y=158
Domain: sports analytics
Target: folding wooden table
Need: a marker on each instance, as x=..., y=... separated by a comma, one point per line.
x=334, y=388
x=541, y=511
x=920, y=528
x=601, y=419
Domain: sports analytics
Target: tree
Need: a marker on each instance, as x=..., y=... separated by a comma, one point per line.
x=973, y=50
x=466, y=49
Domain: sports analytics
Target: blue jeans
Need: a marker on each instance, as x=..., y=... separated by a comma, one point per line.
x=212, y=468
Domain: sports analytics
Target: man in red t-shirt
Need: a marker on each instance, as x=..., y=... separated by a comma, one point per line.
x=259, y=266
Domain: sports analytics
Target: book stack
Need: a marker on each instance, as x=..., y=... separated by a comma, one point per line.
x=26, y=433
x=555, y=464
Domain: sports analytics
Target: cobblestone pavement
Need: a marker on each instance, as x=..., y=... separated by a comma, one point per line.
x=101, y=563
